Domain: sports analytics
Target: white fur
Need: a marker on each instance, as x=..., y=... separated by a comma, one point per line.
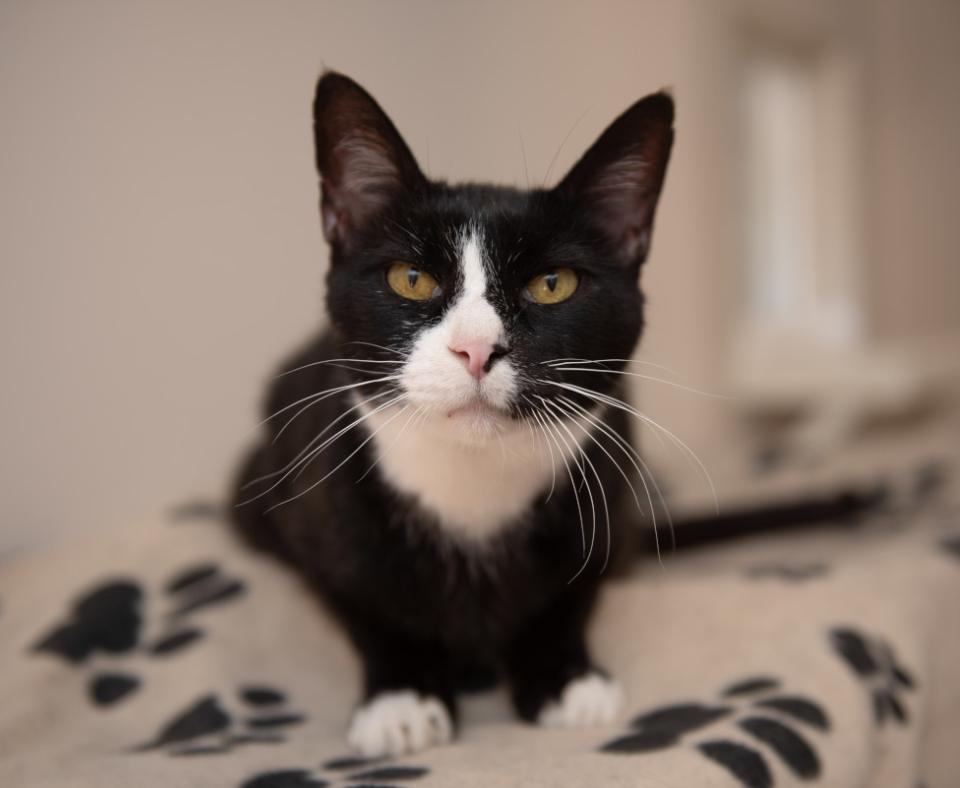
x=473, y=316
x=394, y=723
x=589, y=700
x=473, y=489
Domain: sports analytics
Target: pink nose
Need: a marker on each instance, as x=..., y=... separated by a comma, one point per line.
x=475, y=354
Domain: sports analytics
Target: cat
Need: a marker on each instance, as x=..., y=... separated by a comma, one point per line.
x=448, y=463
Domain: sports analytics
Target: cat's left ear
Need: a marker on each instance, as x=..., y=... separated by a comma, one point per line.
x=363, y=161
x=616, y=184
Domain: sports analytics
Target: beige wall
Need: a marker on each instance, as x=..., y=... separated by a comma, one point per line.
x=913, y=173
x=158, y=233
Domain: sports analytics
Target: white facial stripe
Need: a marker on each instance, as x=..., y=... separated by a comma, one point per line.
x=474, y=274
x=472, y=317
x=434, y=377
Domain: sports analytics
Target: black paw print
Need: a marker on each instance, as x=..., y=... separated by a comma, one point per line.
x=363, y=773
x=109, y=620
x=764, y=713
x=874, y=663
x=209, y=726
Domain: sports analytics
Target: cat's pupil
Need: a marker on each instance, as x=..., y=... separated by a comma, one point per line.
x=551, y=281
x=412, y=276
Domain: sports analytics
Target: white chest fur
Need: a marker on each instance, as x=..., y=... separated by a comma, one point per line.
x=474, y=491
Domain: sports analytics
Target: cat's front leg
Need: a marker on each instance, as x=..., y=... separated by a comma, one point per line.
x=553, y=681
x=408, y=702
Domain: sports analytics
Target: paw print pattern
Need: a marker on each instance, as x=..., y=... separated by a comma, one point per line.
x=108, y=620
x=874, y=663
x=201, y=586
x=209, y=726
x=285, y=778
x=663, y=727
x=759, y=708
x=363, y=773
x=744, y=763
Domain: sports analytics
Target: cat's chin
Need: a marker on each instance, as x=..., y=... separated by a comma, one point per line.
x=475, y=424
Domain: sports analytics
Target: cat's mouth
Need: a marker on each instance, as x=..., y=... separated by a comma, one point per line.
x=477, y=408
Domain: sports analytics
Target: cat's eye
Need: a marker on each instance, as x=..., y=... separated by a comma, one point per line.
x=553, y=286
x=413, y=283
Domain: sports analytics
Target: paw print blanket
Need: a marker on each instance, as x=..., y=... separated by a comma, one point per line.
x=166, y=654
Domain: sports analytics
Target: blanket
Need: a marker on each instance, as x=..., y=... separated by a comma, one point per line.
x=165, y=653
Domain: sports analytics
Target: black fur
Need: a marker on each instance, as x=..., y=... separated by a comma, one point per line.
x=424, y=610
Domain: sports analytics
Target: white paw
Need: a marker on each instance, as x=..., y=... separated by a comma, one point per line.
x=589, y=700
x=394, y=723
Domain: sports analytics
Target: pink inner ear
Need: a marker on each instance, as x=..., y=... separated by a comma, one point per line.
x=360, y=183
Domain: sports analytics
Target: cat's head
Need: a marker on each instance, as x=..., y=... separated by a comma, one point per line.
x=483, y=303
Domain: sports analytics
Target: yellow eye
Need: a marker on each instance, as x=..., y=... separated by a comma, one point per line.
x=553, y=286
x=406, y=280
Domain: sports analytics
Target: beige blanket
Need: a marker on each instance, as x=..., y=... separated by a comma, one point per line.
x=165, y=654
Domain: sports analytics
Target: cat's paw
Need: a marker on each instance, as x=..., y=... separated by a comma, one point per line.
x=394, y=723
x=591, y=699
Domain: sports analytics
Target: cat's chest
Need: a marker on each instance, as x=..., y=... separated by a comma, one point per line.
x=473, y=492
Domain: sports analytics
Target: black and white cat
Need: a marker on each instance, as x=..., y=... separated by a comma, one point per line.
x=445, y=463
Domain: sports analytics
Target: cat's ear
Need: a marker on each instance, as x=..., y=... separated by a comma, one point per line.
x=364, y=163
x=616, y=183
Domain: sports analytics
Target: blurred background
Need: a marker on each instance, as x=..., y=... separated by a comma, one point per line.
x=160, y=247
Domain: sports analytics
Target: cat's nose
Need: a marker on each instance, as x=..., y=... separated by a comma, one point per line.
x=478, y=355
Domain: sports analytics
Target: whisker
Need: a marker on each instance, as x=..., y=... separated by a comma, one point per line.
x=326, y=395
x=616, y=464
x=539, y=435
x=378, y=347
x=553, y=422
x=634, y=456
x=691, y=389
x=503, y=455
x=337, y=362
x=554, y=362
x=340, y=464
x=603, y=494
x=565, y=408
x=523, y=151
x=563, y=142
x=621, y=405
x=318, y=395
x=324, y=431
x=395, y=440
x=548, y=435
x=316, y=452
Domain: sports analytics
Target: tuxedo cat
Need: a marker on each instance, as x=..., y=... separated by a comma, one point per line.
x=448, y=464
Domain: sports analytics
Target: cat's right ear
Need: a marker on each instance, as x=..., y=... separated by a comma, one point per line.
x=616, y=184
x=364, y=163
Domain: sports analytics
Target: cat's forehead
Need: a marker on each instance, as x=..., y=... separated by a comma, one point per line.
x=491, y=221
x=493, y=209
